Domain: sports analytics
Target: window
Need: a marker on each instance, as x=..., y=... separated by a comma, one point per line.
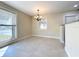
x=43, y=24
x=7, y=25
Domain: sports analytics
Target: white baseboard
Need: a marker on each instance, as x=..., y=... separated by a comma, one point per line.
x=24, y=37
x=47, y=36
x=66, y=50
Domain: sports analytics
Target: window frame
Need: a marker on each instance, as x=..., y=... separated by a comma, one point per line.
x=14, y=36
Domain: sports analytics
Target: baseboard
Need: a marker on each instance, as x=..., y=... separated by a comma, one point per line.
x=24, y=37
x=66, y=50
x=47, y=36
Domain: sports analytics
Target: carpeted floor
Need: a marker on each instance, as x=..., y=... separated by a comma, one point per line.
x=36, y=47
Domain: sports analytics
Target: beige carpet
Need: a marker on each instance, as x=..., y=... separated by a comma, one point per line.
x=36, y=47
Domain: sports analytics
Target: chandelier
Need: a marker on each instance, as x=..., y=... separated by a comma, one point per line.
x=38, y=17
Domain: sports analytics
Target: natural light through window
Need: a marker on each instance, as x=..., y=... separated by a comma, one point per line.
x=3, y=50
x=43, y=24
x=7, y=26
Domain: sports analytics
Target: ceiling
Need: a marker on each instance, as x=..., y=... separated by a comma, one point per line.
x=46, y=7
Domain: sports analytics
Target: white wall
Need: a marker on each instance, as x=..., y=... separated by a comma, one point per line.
x=53, y=25
x=24, y=25
x=72, y=39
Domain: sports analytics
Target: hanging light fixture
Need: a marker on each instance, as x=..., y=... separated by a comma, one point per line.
x=38, y=17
